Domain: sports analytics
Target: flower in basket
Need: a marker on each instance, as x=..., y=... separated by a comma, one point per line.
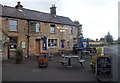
x=43, y=60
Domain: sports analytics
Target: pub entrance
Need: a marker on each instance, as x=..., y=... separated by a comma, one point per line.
x=38, y=46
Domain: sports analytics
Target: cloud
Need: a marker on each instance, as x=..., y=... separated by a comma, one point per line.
x=97, y=16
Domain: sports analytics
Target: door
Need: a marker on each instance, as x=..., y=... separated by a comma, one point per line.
x=37, y=47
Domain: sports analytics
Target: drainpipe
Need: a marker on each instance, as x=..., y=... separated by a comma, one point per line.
x=8, y=51
x=28, y=36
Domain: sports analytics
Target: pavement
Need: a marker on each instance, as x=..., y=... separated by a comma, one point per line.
x=29, y=70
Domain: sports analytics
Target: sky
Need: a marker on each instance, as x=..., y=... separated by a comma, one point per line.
x=98, y=17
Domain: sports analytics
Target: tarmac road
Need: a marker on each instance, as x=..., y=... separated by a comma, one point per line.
x=112, y=50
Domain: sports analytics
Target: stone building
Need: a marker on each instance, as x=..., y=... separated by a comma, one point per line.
x=27, y=28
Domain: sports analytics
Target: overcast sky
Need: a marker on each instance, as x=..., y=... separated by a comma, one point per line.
x=98, y=17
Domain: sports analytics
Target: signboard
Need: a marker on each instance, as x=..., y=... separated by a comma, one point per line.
x=103, y=67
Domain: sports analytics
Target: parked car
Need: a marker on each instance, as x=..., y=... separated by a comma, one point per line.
x=76, y=48
x=91, y=50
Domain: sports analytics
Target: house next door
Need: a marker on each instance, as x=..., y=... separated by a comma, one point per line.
x=37, y=47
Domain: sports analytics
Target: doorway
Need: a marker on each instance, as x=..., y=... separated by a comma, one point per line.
x=37, y=47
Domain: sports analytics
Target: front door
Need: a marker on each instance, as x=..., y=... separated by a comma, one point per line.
x=37, y=47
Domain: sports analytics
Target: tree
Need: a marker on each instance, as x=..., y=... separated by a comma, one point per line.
x=109, y=38
x=118, y=40
x=79, y=26
x=102, y=39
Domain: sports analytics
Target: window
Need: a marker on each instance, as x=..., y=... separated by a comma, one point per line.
x=52, y=42
x=13, y=42
x=52, y=28
x=13, y=25
x=68, y=44
x=23, y=44
x=71, y=30
x=1, y=47
x=36, y=27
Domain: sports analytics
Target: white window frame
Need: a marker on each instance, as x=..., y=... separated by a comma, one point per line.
x=13, y=27
x=52, y=29
x=52, y=43
x=36, y=27
x=23, y=44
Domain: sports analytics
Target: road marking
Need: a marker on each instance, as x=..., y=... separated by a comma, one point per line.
x=36, y=70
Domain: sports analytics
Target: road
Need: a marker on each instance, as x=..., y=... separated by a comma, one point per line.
x=112, y=50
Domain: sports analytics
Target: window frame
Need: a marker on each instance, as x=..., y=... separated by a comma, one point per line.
x=71, y=30
x=13, y=25
x=35, y=27
x=13, y=42
x=23, y=44
x=52, y=28
x=54, y=43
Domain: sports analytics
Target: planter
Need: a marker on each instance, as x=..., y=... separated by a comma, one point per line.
x=43, y=62
x=93, y=68
x=93, y=63
x=18, y=55
x=18, y=60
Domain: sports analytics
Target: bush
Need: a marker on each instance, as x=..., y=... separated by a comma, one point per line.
x=99, y=50
x=93, y=63
x=94, y=60
x=19, y=52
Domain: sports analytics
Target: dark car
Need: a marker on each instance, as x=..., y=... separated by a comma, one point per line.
x=91, y=50
x=76, y=48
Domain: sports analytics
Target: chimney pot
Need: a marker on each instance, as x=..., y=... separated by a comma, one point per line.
x=18, y=6
x=53, y=10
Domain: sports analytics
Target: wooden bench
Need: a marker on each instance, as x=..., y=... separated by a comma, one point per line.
x=50, y=56
x=64, y=62
x=81, y=62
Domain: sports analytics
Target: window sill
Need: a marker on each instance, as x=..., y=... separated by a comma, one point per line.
x=52, y=47
x=1, y=50
x=14, y=31
x=53, y=33
x=12, y=49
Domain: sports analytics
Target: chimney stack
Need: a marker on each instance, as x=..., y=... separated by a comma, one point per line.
x=53, y=10
x=18, y=6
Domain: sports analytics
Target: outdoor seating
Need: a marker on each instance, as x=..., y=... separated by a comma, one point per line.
x=50, y=56
x=63, y=60
x=81, y=62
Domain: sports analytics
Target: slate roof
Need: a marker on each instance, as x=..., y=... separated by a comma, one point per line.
x=35, y=15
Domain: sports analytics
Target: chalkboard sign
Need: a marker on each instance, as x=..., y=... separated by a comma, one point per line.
x=104, y=66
